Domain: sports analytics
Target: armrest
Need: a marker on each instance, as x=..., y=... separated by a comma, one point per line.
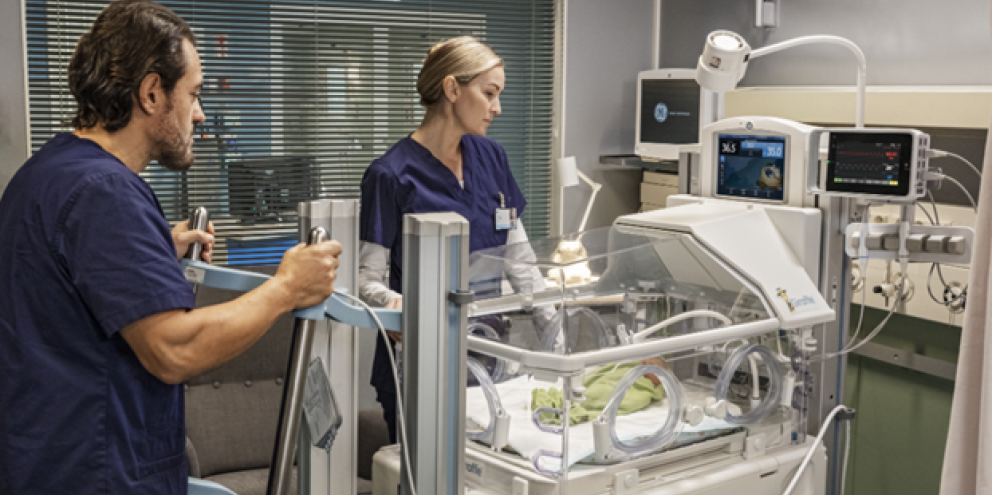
x=192, y=459
x=204, y=487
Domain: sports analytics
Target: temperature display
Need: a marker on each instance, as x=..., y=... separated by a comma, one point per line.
x=751, y=166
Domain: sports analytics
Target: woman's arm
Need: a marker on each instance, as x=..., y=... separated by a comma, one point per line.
x=523, y=277
x=373, y=265
x=526, y=278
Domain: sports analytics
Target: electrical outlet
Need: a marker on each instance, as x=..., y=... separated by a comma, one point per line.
x=904, y=285
x=766, y=14
x=857, y=277
x=954, y=297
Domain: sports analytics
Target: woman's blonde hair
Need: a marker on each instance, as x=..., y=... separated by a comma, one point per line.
x=464, y=58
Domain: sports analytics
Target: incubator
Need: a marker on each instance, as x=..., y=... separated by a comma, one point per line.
x=624, y=359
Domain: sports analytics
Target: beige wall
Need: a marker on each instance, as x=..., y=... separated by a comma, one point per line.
x=960, y=107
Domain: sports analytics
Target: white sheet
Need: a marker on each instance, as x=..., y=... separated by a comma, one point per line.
x=526, y=439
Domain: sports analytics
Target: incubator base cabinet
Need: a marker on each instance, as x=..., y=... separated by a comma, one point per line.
x=673, y=352
x=768, y=474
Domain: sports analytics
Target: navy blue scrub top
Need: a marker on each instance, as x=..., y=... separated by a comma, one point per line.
x=85, y=250
x=409, y=179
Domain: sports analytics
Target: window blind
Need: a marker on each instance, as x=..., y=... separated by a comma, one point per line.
x=300, y=96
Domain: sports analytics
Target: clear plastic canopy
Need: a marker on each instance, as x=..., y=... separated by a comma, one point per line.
x=608, y=346
x=603, y=288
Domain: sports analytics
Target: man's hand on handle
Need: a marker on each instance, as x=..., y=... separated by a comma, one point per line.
x=183, y=237
x=310, y=271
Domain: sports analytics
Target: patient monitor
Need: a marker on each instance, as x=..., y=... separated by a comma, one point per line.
x=878, y=164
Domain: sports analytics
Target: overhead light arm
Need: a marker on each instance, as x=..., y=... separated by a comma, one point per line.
x=834, y=40
x=726, y=55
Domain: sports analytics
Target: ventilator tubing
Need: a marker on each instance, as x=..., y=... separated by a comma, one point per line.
x=735, y=360
x=668, y=431
x=496, y=410
x=556, y=326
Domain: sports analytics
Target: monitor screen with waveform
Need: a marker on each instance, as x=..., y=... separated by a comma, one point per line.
x=869, y=163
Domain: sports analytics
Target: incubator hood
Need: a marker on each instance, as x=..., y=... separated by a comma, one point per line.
x=752, y=264
x=775, y=247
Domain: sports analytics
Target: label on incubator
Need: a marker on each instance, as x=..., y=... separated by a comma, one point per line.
x=796, y=305
x=475, y=469
x=194, y=275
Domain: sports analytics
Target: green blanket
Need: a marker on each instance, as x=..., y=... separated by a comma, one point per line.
x=599, y=386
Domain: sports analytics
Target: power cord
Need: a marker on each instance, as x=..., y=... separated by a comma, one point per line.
x=863, y=258
x=949, y=297
x=935, y=220
x=932, y=176
x=855, y=343
x=904, y=230
x=396, y=380
x=846, y=414
x=847, y=448
x=932, y=153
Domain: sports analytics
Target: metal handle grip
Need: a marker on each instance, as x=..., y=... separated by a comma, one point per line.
x=281, y=468
x=199, y=218
x=317, y=235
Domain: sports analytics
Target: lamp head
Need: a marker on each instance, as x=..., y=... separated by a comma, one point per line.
x=723, y=62
x=569, y=171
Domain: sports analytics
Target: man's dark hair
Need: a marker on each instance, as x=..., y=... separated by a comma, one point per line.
x=129, y=40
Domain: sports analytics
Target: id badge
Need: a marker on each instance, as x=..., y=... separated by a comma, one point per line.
x=506, y=218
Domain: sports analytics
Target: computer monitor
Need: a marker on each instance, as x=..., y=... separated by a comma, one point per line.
x=671, y=110
x=268, y=189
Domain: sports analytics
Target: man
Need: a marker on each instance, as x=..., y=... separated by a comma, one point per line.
x=97, y=326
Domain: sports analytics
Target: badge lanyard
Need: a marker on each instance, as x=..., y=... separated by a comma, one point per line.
x=505, y=218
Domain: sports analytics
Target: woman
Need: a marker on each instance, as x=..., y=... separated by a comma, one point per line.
x=447, y=164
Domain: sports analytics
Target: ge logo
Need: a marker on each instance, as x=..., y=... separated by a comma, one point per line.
x=728, y=147
x=661, y=112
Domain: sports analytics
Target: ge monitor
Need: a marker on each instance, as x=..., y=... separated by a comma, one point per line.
x=671, y=110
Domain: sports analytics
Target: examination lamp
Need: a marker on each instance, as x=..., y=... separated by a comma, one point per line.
x=570, y=175
x=726, y=55
x=572, y=251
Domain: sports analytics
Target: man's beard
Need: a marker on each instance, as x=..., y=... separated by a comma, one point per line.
x=175, y=151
